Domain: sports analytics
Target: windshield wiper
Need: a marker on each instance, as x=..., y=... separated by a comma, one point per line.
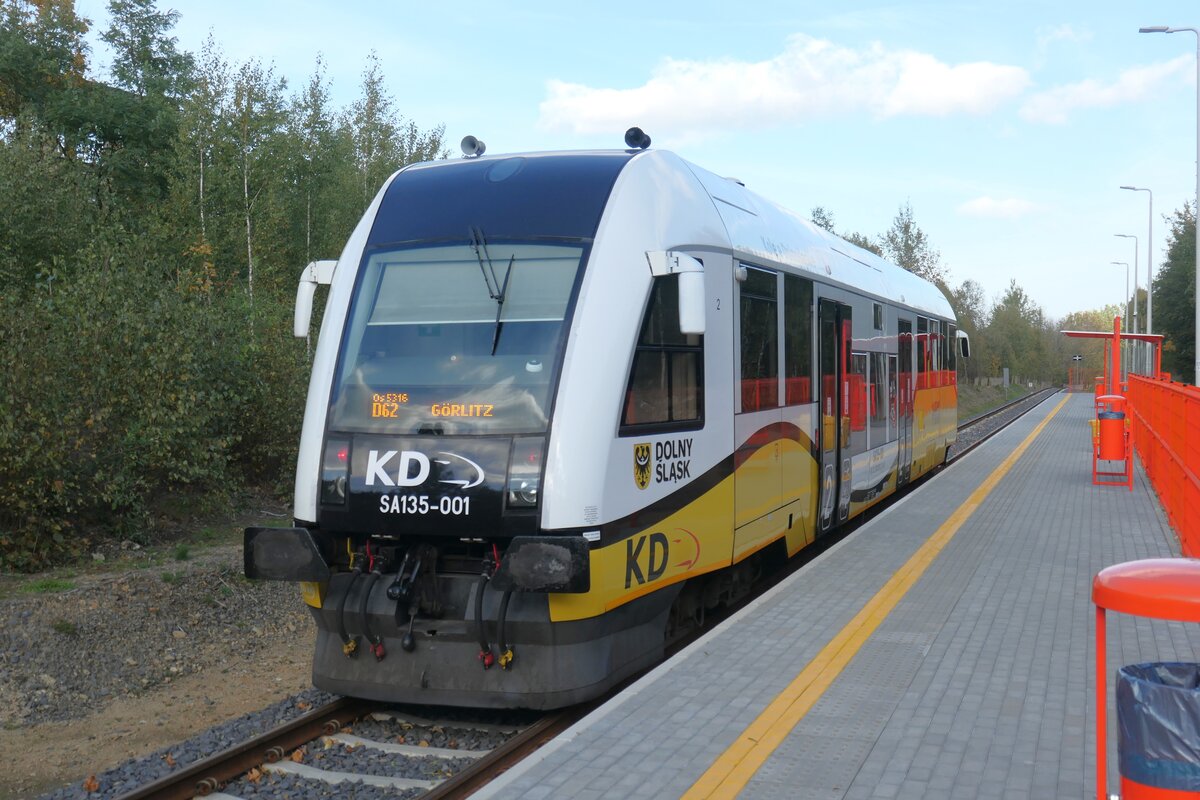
x=495, y=290
x=500, y=303
x=479, y=245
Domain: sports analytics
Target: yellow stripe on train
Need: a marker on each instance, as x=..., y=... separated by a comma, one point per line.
x=776, y=496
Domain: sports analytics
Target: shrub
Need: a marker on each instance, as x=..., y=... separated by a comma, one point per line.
x=120, y=386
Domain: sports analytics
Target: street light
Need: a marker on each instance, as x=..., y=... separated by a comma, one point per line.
x=1135, y=275
x=1149, y=260
x=1126, y=301
x=1134, y=350
x=1124, y=345
x=1165, y=29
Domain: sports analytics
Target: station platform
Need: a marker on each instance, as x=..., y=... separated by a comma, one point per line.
x=945, y=649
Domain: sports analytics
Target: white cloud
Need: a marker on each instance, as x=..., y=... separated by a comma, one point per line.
x=1061, y=33
x=1007, y=208
x=1054, y=105
x=811, y=79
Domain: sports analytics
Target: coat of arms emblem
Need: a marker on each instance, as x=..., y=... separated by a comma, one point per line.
x=641, y=465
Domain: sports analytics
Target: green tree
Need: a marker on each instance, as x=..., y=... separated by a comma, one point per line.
x=47, y=192
x=1015, y=336
x=383, y=141
x=43, y=59
x=138, y=214
x=258, y=117
x=204, y=110
x=150, y=77
x=322, y=172
x=822, y=218
x=907, y=245
x=970, y=307
x=146, y=59
x=1175, y=296
x=858, y=239
x=1099, y=320
x=40, y=191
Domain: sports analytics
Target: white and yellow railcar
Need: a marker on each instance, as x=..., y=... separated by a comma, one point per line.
x=564, y=402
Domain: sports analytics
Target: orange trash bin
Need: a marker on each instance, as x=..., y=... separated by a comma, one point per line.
x=1158, y=588
x=1112, y=435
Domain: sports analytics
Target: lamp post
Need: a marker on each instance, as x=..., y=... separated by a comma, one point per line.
x=1165, y=29
x=1149, y=260
x=1135, y=276
x=1134, y=347
x=1125, y=302
x=1124, y=346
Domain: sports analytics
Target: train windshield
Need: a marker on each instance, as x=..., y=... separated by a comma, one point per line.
x=455, y=339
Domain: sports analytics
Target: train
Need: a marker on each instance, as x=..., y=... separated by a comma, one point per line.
x=563, y=405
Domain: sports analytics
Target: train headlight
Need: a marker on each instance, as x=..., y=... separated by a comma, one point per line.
x=335, y=472
x=525, y=471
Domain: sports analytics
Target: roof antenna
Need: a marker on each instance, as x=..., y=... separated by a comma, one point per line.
x=636, y=139
x=472, y=147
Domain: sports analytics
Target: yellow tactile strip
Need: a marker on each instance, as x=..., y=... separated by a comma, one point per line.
x=738, y=764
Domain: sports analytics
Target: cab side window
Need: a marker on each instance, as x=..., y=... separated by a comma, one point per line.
x=666, y=382
x=923, y=357
x=760, y=340
x=797, y=340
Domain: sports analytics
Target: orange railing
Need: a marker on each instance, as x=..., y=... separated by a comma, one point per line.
x=1166, y=432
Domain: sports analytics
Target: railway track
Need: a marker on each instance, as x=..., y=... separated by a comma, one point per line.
x=380, y=750
x=1032, y=399
x=978, y=429
x=388, y=751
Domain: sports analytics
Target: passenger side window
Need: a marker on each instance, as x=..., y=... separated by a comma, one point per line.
x=666, y=382
x=879, y=401
x=935, y=352
x=951, y=351
x=760, y=341
x=922, y=353
x=797, y=340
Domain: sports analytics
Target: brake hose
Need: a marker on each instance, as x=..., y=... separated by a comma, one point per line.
x=486, y=656
x=506, y=652
x=375, y=642
x=349, y=644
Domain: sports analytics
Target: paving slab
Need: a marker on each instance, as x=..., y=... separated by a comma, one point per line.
x=977, y=684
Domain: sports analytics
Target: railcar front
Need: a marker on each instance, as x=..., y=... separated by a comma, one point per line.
x=433, y=448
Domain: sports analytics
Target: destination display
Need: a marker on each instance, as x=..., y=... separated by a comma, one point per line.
x=387, y=406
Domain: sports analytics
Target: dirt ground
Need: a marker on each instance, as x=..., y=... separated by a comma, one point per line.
x=140, y=648
x=43, y=757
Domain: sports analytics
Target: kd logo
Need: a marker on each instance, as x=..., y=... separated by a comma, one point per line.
x=641, y=465
x=656, y=560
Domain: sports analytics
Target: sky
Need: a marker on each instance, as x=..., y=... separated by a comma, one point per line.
x=1008, y=126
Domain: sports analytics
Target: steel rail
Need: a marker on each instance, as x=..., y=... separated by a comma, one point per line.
x=1032, y=399
x=209, y=774
x=504, y=757
x=1001, y=409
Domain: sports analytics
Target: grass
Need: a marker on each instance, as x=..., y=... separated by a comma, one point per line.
x=192, y=528
x=48, y=586
x=974, y=400
x=213, y=535
x=64, y=627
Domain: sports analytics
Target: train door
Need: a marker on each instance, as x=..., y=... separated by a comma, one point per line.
x=758, y=479
x=801, y=475
x=904, y=401
x=834, y=333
